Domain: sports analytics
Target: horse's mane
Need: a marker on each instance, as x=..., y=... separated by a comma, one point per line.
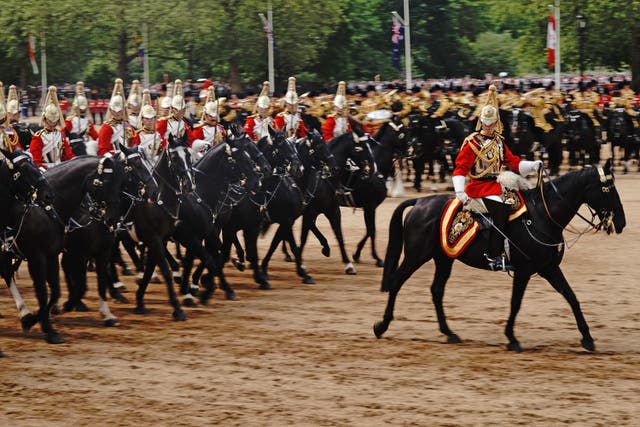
x=534, y=195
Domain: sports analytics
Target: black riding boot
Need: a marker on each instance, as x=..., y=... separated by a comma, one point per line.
x=499, y=213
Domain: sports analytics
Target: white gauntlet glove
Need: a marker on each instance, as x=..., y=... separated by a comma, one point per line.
x=458, y=187
x=529, y=167
x=200, y=145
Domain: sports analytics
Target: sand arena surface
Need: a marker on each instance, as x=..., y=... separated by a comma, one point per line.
x=306, y=354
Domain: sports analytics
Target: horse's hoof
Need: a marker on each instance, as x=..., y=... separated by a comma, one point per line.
x=307, y=280
x=356, y=258
x=194, y=289
x=1, y=354
x=179, y=316
x=126, y=271
x=287, y=258
x=350, y=269
x=28, y=321
x=110, y=323
x=187, y=301
x=379, y=263
x=67, y=307
x=155, y=279
x=204, y=297
x=238, y=264
x=81, y=307
x=588, y=345
x=54, y=338
x=141, y=310
x=55, y=310
x=117, y=296
x=326, y=251
x=514, y=346
x=453, y=339
x=230, y=295
x=119, y=286
x=379, y=328
x=265, y=286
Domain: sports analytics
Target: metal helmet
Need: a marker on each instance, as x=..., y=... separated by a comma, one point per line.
x=489, y=113
x=263, y=99
x=147, y=111
x=13, y=104
x=177, y=101
x=291, y=97
x=340, y=100
x=210, y=104
x=80, y=101
x=51, y=110
x=135, y=95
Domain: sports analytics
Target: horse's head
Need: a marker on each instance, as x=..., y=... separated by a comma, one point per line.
x=104, y=188
x=602, y=196
x=29, y=184
x=394, y=134
x=241, y=170
x=316, y=154
x=281, y=153
x=139, y=180
x=239, y=140
x=179, y=160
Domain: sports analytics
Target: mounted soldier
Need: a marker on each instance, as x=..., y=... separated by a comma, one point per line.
x=50, y=146
x=9, y=140
x=257, y=125
x=134, y=103
x=82, y=135
x=337, y=123
x=176, y=125
x=148, y=138
x=481, y=157
x=289, y=120
x=115, y=129
x=209, y=132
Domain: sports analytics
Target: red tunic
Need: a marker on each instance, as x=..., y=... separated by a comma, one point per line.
x=56, y=147
x=280, y=123
x=477, y=188
x=91, y=130
x=211, y=136
x=110, y=134
x=253, y=127
x=329, y=128
x=165, y=128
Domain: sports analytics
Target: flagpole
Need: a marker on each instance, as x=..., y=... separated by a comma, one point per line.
x=404, y=21
x=267, y=23
x=43, y=66
x=556, y=11
x=145, y=63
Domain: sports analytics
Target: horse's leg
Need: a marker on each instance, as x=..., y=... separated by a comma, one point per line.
x=277, y=238
x=326, y=249
x=520, y=282
x=185, y=288
x=103, y=260
x=442, y=273
x=251, y=245
x=285, y=252
x=240, y=252
x=409, y=265
x=115, y=285
x=131, y=247
x=335, y=219
x=287, y=234
x=157, y=250
x=173, y=264
x=143, y=282
x=53, y=279
x=418, y=167
x=27, y=319
x=68, y=263
x=38, y=271
x=555, y=277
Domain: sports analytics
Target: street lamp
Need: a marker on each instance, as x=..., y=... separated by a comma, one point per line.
x=582, y=26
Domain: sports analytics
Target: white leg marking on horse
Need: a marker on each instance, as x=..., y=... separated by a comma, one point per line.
x=187, y=297
x=350, y=268
x=20, y=304
x=104, y=310
x=118, y=285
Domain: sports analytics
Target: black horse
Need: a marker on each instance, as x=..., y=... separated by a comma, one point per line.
x=581, y=139
x=621, y=133
x=519, y=132
x=535, y=239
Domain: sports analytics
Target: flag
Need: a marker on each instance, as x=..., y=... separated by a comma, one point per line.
x=31, y=39
x=396, y=37
x=551, y=42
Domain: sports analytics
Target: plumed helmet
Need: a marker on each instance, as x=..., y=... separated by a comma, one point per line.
x=263, y=99
x=135, y=94
x=489, y=113
x=13, y=104
x=210, y=104
x=177, y=101
x=51, y=110
x=3, y=108
x=340, y=100
x=147, y=111
x=291, y=97
x=80, y=100
x=116, y=103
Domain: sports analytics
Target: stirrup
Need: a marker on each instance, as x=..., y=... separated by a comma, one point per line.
x=499, y=263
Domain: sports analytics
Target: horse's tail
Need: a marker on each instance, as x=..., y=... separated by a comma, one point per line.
x=394, y=247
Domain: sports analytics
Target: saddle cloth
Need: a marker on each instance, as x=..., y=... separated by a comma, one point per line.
x=459, y=227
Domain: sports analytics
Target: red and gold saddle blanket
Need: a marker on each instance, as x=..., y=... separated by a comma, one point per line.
x=458, y=227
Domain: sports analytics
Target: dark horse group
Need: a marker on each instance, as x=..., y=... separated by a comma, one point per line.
x=85, y=207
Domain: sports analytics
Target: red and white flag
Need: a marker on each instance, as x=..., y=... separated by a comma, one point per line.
x=551, y=41
x=32, y=52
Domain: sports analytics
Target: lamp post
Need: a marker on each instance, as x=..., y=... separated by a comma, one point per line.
x=267, y=24
x=582, y=26
x=404, y=21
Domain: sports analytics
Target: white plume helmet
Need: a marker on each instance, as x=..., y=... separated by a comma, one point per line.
x=80, y=100
x=147, y=111
x=210, y=104
x=3, y=108
x=340, y=100
x=177, y=101
x=263, y=99
x=13, y=104
x=116, y=103
x=135, y=94
x=291, y=97
x=489, y=113
x=51, y=110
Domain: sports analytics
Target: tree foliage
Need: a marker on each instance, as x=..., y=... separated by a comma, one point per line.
x=318, y=41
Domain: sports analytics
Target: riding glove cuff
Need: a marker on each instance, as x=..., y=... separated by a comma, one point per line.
x=458, y=187
x=200, y=145
x=529, y=167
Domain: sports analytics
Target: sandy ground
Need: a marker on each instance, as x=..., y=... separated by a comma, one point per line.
x=306, y=354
